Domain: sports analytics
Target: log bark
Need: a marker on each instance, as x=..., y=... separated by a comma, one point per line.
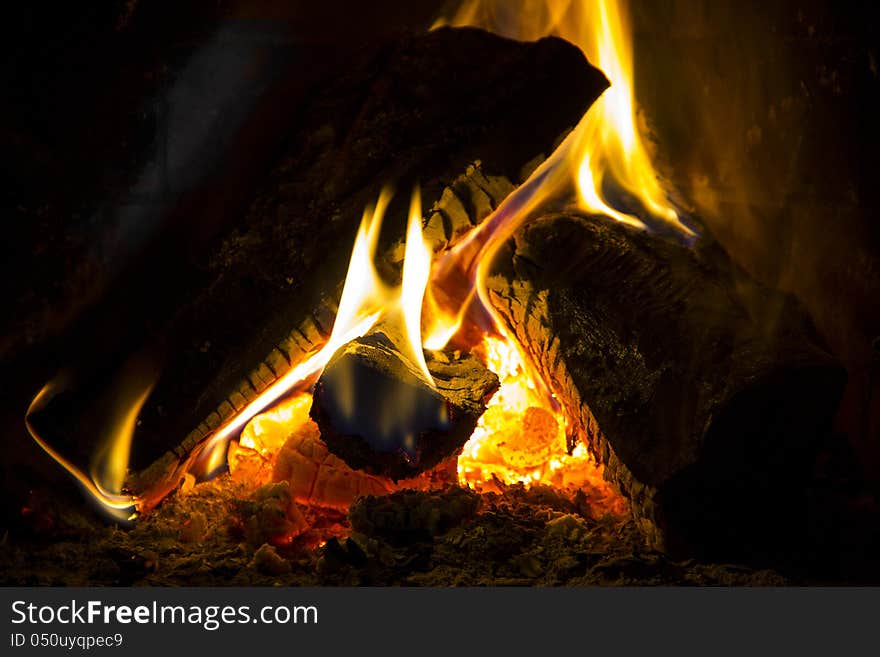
x=704, y=394
x=419, y=109
x=377, y=412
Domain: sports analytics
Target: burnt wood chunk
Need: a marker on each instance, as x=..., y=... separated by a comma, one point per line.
x=704, y=394
x=378, y=413
x=414, y=109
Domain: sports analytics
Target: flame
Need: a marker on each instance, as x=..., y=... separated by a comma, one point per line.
x=359, y=309
x=522, y=435
x=442, y=325
x=110, y=463
x=416, y=271
x=603, y=166
x=609, y=141
x=105, y=483
x=261, y=433
x=606, y=149
x=366, y=299
x=604, y=152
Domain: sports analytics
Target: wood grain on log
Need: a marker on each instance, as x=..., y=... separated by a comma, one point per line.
x=702, y=393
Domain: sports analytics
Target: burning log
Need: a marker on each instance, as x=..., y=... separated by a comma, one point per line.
x=378, y=413
x=420, y=108
x=702, y=393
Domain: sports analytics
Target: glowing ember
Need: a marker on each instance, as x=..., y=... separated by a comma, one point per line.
x=284, y=445
x=252, y=458
x=521, y=438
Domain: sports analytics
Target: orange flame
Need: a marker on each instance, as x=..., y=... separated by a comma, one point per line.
x=110, y=465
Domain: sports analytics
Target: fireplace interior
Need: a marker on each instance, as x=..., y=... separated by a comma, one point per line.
x=542, y=292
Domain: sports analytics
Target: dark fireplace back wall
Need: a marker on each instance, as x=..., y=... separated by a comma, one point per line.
x=134, y=134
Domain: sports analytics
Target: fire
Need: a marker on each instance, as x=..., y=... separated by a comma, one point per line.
x=505, y=446
x=517, y=439
x=522, y=438
x=609, y=142
x=606, y=150
x=366, y=299
x=416, y=271
x=252, y=457
x=105, y=482
x=604, y=153
x=603, y=166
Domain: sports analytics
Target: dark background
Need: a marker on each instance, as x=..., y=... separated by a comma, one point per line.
x=132, y=136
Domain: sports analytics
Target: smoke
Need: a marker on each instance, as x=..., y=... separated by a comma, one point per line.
x=198, y=114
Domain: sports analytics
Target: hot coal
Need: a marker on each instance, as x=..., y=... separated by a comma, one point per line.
x=379, y=414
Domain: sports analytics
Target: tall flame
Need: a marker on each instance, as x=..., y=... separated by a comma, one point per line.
x=366, y=299
x=606, y=149
x=416, y=271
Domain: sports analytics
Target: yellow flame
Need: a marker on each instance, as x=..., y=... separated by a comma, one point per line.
x=606, y=145
x=110, y=464
x=416, y=270
x=522, y=435
x=610, y=142
x=364, y=291
x=262, y=433
x=442, y=321
x=366, y=299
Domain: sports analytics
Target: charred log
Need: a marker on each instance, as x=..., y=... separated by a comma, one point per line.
x=704, y=394
x=378, y=413
x=418, y=109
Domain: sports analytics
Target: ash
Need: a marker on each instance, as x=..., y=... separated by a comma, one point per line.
x=222, y=533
